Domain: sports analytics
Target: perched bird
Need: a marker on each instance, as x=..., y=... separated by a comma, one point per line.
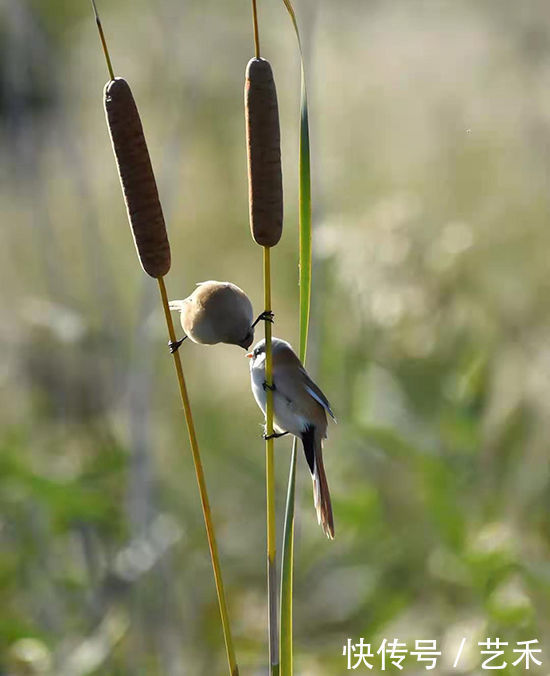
x=299, y=408
x=217, y=312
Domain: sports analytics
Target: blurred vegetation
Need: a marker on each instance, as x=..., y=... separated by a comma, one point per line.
x=430, y=334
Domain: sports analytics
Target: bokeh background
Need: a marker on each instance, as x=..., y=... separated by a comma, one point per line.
x=430, y=125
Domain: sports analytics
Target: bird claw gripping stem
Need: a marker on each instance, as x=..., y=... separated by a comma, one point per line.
x=266, y=316
x=275, y=435
x=174, y=345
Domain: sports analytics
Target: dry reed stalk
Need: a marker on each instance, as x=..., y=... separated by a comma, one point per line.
x=147, y=223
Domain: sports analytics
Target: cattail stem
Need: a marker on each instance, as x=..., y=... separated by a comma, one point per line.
x=270, y=481
x=233, y=668
x=256, y=31
x=266, y=222
x=103, y=42
x=147, y=222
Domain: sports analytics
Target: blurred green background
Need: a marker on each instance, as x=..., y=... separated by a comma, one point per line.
x=430, y=124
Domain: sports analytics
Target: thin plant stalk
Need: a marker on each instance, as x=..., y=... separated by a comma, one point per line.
x=287, y=573
x=103, y=42
x=305, y=258
x=144, y=247
x=270, y=480
x=212, y=544
x=256, y=31
x=267, y=234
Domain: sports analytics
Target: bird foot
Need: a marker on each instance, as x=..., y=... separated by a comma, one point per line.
x=268, y=387
x=174, y=345
x=266, y=316
x=275, y=435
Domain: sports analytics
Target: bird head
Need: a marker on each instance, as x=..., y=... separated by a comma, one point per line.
x=257, y=355
x=247, y=340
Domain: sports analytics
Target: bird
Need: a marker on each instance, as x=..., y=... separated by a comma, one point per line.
x=217, y=312
x=300, y=409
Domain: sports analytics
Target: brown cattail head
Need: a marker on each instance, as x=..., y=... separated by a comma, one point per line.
x=263, y=139
x=137, y=178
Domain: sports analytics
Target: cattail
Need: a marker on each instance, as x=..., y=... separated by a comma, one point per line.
x=263, y=140
x=137, y=178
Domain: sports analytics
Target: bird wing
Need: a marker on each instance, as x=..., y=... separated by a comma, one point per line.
x=316, y=393
x=301, y=392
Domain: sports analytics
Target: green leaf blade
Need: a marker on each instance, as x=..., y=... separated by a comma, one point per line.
x=305, y=265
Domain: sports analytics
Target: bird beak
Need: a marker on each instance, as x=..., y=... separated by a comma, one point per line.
x=250, y=354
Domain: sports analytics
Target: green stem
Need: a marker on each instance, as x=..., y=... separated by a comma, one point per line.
x=287, y=578
x=270, y=480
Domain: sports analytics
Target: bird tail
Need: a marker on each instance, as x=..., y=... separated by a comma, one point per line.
x=313, y=448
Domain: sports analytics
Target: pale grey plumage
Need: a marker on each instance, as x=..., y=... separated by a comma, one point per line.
x=301, y=408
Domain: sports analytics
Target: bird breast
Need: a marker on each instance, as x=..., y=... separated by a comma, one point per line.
x=285, y=416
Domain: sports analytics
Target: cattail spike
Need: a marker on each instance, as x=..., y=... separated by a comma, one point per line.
x=263, y=139
x=137, y=178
